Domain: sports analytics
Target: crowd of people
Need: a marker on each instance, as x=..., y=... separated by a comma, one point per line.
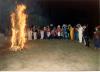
x=78, y=33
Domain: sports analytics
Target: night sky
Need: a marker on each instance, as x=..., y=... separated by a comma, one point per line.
x=53, y=11
x=72, y=11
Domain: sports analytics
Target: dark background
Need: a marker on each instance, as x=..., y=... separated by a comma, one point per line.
x=72, y=11
x=44, y=12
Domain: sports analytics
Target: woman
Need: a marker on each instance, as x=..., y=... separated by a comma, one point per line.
x=48, y=32
x=58, y=31
x=42, y=34
x=71, y=33
x=29, y=34
x=80, y=31
x=76, y=33
x=35, y=34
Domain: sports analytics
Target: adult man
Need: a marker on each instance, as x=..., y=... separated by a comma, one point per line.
x=86, y=35
x=64, y=29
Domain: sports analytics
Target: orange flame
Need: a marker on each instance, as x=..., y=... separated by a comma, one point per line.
x=18, y=25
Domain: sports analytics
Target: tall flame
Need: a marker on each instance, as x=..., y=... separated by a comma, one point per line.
x=18, y=25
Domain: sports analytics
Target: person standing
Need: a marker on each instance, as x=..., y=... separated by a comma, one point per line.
x=53, y=33
x=64, y=30
x=86, y=35
x=80, y=31
x=42, y=34
x=76, y=33
x=68, y=31
x=97, y=37
x=35, y=34
x=58, y=31
x=48, y=32
x=29, y=34
x=45, y=32
x=71, y=33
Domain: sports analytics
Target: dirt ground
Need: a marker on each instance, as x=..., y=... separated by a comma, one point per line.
x=50, y=55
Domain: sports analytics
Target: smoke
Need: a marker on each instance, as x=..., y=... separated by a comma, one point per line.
x=6, y=7
x=34, y=11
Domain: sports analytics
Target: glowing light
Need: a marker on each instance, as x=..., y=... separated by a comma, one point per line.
x=18, y=25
